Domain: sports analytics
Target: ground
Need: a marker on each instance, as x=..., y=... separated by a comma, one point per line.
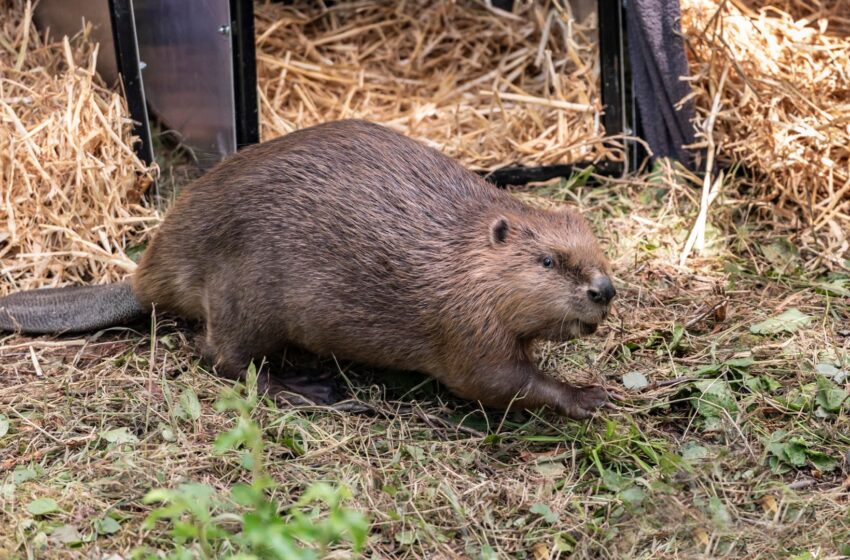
x=731, y=441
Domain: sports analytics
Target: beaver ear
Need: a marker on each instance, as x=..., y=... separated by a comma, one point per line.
x=499, y=231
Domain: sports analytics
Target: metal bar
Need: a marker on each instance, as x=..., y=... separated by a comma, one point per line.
x=635, y=151
x=620, y=109
x=611, y=65
x=506, y=5
x=244, y=72
x=523, y=175
x=127, y=62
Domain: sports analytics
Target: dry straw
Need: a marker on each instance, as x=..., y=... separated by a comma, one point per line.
x=488, y=87
x=785, y=108
x=70, y=184
x=485, y=86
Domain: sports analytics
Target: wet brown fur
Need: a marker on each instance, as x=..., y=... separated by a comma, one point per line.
x=348, y=239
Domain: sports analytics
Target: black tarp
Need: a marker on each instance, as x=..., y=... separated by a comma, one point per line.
x=658, y=64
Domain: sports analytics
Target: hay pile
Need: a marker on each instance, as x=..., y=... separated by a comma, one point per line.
x=784, y=108
x=70, y=184
x=488, y=87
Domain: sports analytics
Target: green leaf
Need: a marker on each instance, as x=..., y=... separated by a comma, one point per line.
x=770, y=384
x=251, y=381
x=715, y=395
x=196, y=493
x=246, y=460
x=185, y=531
x=405, y=537
x=790, y=321
x=635, y=380
x=415, y=452
x=692, y=451
x=800, y=398
x=678, y=333
x=168, y=342
x=826, y=369
x=545, y=512
x=753, y=383
x=21, y=474
x=633, y=496
x=577, y=179
x=550, y=469
x=709, y=369
x=189, y=403
x=564, y=542
x=135, y=252
x=832, y=372
x=231, y=439
x=613, y=481
x=4, y=425
x=739, y=363
x=795, y=452
x=782, y=254
x=158, y=495
x=778, y=466
x=761, y=383
x=829, y=395
x=719, y=514
x=66, y=534
x=777, y=449
x=119, y=436
x=42, y=506
x=106, y=526
x=246, y=495
x=822, y=461
x=835, y=288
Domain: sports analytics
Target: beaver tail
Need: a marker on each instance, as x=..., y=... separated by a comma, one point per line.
x=71, y=309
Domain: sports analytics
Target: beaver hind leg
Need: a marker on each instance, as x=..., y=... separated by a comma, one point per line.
x=316, y=385
x=230, y=357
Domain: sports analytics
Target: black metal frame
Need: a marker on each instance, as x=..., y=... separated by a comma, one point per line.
x=621, y=110
x=130, y=71
x=612, y=78
x=620, y=115
x=244, y=72
x=521, y=175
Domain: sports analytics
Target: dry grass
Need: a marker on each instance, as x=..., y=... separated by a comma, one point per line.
x=784, y=109
x=485, y=86
x=662, y=478
x=70, y=184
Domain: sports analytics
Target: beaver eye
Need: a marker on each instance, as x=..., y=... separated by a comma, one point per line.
x=547, y=262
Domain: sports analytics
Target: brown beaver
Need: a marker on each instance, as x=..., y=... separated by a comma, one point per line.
x=348, y=239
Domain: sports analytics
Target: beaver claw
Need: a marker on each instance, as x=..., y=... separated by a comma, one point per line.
x=583, y=402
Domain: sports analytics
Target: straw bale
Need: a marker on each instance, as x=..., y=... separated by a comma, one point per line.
x=489, y=87
x=785, y=107
x=70, y=184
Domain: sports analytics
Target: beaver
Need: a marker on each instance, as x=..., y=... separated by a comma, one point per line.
x=350, y=240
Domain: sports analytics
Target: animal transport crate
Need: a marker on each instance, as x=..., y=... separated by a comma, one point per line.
x=192, y=65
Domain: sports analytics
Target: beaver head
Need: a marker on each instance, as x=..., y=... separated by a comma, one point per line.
x=555, y=281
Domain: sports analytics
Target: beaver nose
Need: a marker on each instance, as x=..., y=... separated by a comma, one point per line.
x=601, y=290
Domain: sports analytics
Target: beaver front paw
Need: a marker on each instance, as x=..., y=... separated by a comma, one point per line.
x=582, y=402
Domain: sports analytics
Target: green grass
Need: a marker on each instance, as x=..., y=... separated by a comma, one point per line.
x=729, y=443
